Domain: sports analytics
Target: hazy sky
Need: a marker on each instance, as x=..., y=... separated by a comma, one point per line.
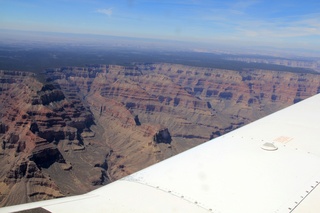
x=255, y=22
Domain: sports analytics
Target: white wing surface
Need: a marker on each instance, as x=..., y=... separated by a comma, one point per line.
x=270, y=165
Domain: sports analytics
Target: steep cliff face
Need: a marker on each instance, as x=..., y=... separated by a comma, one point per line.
x=195, y=104
x=41, y=134
x=19, y=175
x=251, y=86
x=244, y=95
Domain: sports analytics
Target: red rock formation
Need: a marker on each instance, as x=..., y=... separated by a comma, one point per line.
x=38, y=125
x=194, y=103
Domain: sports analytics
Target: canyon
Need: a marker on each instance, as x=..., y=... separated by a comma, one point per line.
x=88, y=126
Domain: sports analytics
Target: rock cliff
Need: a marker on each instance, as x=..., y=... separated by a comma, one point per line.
x=194, y=104
x=42, y=137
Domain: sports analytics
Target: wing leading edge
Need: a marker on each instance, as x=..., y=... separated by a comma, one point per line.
x=270, y=165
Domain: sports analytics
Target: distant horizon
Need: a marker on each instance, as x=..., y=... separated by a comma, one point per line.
x=43, y=37
x=242, y=24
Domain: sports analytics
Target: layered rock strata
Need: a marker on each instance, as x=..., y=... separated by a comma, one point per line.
x=194, y=104
x=41, y=134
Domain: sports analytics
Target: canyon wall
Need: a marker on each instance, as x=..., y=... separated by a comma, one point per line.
x=44, y=142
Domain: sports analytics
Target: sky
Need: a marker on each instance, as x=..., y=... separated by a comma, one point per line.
x=277, y=23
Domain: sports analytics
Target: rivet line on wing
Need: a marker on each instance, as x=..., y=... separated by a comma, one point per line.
x=307, y=192
x=176, y=194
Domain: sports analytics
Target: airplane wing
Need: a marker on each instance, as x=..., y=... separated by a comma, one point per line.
x=270, y=165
